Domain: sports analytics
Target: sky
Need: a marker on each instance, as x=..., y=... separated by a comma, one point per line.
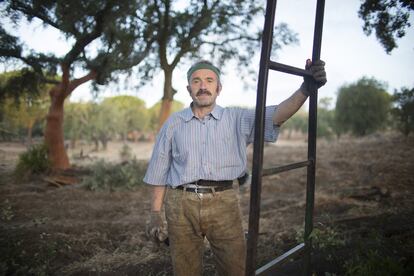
x=349, y=55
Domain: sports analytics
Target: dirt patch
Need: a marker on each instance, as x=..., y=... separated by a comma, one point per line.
x=364, y=200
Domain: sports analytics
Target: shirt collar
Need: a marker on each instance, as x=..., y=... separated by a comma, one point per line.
x=187, y=114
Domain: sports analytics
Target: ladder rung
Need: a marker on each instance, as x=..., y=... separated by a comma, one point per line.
x=288, y=69
x=275, y=170
x=266, y=269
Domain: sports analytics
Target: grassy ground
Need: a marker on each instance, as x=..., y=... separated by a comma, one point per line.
x=364, y=209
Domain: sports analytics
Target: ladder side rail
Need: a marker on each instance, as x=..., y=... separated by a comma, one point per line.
x=313, y=100
x=255, y=191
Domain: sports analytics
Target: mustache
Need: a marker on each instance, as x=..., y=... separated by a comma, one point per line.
x=203, y=91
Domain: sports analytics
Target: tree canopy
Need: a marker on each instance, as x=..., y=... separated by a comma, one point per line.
x=389, y=19
x=17, y=113
x=404, y=110
x=362, y=107
x=106, y=36
x=223, y=30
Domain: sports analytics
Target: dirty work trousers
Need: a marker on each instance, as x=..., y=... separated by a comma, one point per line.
x=215, y=216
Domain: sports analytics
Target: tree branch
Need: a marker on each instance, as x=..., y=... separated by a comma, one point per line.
x=26, y=9
x=76, y=82
x=87, y=38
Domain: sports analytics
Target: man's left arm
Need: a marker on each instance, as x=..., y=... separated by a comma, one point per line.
x=291, y=105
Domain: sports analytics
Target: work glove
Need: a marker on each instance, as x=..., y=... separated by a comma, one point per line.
x=318, y=78
x=155, y=229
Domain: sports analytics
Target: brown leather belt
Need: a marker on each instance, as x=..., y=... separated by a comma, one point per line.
x=207, y=186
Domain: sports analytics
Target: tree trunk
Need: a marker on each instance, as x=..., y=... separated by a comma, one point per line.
x=167, y=98
x=29, y=133
x=54, y=138
x=104, y=142
x=73, y=143
x=54, y=130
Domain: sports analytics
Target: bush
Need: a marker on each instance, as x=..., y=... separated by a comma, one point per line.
x=111, y=177
x=33, y=161
x=324, y=237
x=374, y=264
x=125, y=153
x=404, y=110
x=362, y=108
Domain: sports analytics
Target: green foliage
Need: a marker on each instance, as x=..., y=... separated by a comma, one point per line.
x=23, y=82
x=223, y=30
x=6, y=212
x=113, y=117
x=373, y=263
x=362, y=108
x=154, y=112
x=323, y=237
x=326, y=119
x=299, y=121
x=403, y=110
x=77, y=120
x=128, y=114
x=125, y=153
x=31, y=258
x=389, y=20
x=112, y=177
x=22, y=114
x=33, y=161
x=121, y=39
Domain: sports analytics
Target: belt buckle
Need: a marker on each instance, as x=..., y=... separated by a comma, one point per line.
x=199, y=195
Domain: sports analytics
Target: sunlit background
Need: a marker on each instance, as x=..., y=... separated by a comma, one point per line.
x=348, y=52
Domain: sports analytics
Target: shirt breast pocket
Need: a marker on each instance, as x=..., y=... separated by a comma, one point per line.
x=226, y=151
x=179, y=151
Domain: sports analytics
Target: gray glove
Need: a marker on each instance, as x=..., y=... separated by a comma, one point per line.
x=155, y=229
x=318, y=78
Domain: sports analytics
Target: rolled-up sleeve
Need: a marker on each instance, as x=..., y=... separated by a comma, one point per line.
x=271, y=131
x=160, y=161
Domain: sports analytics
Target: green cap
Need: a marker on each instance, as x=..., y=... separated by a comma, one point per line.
x=203, y=65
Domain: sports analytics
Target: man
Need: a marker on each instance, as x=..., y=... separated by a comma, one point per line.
x=197, y=155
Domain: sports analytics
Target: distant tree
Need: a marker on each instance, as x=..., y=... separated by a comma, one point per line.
x=107, y=37
x=222, y=29
x=23, y=112
x=404, y=110
x=26, y=113
x=326, y=117
x=77, y=120
x=102, y=125
x=388, y=18
x=362, y=107
x=297, y=123
x=154, y=113
x=129, y=114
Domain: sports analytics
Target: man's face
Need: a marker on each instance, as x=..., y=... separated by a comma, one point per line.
x=204, y=87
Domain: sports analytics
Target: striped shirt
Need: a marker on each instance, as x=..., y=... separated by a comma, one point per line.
x=188, y=149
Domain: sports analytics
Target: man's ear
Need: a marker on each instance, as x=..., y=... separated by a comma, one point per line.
x=189, y=89
x=219, y=88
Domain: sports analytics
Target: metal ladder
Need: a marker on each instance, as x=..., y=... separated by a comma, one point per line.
x=257, y=172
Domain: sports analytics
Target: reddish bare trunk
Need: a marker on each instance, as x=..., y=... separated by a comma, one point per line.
x=167, y=99
x=54, y=138
x=165, y=111
x=54, y=132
